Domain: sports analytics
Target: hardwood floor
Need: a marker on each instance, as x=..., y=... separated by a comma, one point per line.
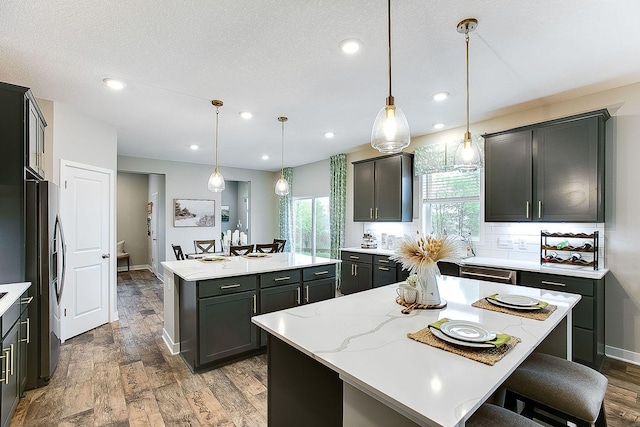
x=121, y=374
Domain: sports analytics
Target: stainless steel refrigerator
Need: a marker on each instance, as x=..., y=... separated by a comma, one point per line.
x=45, y=269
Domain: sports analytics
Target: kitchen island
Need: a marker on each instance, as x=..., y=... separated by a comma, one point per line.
x=208, y=304
x=348, y=361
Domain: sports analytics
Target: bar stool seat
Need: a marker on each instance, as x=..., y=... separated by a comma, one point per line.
x=489, y=415
x=565, y=389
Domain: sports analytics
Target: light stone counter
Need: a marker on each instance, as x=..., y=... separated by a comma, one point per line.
x=561, y=270
x=363, y=338
x=14, y=291
x=193, y=270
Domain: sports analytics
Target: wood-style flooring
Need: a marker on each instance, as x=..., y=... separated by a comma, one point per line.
x=122, y=374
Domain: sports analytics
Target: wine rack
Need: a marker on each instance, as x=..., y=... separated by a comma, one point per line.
x=555, y=249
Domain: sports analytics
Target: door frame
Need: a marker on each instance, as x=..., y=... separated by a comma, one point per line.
x=112, y=271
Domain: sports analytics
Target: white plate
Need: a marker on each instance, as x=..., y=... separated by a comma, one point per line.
x=513, y=307
x=520, y=300
x=438, y=333
x=466, y=331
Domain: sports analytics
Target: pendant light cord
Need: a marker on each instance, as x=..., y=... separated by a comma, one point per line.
x=282, y=154
x=466, y=33
x=217, y=112
x=389, y=40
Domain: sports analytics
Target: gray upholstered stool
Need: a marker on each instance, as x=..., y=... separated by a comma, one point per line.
x=495, y=416
x=565, y=389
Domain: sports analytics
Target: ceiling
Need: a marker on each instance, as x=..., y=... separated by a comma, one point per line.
x=282, y=57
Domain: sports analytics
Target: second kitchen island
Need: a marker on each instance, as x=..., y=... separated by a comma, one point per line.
x=208, y=306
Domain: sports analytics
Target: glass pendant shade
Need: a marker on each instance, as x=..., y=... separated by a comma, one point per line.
x=282, y=186
x=468, y=157
x=216, y=181
x=390, y=133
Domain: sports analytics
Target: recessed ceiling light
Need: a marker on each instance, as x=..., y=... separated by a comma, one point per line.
x=350, y=46
x=438, y=125
x=114, y=83
x=440, y=96
x=329, y=134
x=194, y=147
x=246, y=115
x=265, y=157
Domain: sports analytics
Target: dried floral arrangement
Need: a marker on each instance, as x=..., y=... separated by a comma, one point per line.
x=420, y=254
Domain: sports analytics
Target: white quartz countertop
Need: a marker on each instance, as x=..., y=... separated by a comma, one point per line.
x=561, y=270
x=192, y=269
x=363, y=337
x=14, y=291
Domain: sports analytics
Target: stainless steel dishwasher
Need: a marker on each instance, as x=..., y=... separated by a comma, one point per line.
x=488, y=274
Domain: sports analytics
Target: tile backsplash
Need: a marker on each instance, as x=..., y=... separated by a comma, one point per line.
x=505, y=240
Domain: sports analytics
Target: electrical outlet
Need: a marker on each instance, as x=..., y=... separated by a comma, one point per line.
x=522, y=245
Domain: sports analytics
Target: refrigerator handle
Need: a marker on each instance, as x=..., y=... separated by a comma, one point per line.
x=64, y=260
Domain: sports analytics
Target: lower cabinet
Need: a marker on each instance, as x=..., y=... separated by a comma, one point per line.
x=357, y=272
x=384, y=271
x=10, y=360
x=588, y=314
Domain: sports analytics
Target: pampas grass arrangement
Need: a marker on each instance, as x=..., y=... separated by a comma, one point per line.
x=419, y=254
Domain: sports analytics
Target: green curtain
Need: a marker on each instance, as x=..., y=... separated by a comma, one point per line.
x=285, y=227
x=439, y=157
x=337, y=205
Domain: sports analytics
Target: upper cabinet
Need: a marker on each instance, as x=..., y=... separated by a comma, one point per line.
x=383, y=189
x=548, y=172
x=35, y=136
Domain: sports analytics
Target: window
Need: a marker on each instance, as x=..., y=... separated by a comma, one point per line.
x=311, y=233
x=451, y=203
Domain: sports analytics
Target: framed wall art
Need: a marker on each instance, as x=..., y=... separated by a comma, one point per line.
x=224, y=213
x=194, y=213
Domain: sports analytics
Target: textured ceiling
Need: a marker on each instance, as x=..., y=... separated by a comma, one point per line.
x=278, y=58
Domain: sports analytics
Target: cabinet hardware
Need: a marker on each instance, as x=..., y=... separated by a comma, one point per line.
x=280, y=279
x=371, y=213
x=306, y=291
x=527, y=209
x=26, y=322
x=235, y=285
x=320, y=273
x=352, y=273
x=298, y=295
x=5, y=356
x=26, y=300
x=383, y=268
x=353, y=257
x=376, y=213
x=383, y=261
x=12, y=357
x=486, y=276
x=544, y=282
x=356, y=269
x=255, y=308
x=539, y=209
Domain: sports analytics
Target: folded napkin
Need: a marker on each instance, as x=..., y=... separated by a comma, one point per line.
x=541, y=304
x=500, y=340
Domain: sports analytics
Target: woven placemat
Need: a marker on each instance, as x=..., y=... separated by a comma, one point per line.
x=488, y=356
x=414, y=305
x=215, y=259
x=541, y=314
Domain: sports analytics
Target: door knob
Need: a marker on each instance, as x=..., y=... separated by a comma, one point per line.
x=106, y=255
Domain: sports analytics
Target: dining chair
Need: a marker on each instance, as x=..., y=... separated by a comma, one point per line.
x=280, y=244
x=240, y=249
x=266, y=248
x=177, y=250
x=204, y=246
x=549, y=385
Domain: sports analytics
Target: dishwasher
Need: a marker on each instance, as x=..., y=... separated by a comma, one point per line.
x=488, y=274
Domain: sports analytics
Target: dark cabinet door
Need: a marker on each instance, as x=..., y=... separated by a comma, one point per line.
x=225, y=327
x=383, y=275
x=363, y=195
x=347, y=279
x=364, y=276
x=9, y=376
x=508, y=177
x=24, y=338
x=567, y=165
x=319, y=290
x=388, y=189
x=356, y=277
x=278, y=298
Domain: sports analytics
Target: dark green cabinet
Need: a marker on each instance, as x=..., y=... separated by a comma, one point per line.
x=588, y=314
x=548, y=172
x=319, y=283
x=11, y=355
x=357, y=273
x=383, y=189
x=384, y=271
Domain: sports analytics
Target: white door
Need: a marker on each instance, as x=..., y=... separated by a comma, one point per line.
x=85, y=208
x=154, y=233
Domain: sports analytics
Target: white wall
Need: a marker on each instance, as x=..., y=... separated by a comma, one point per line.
x=131, y=217
x=311, y=179
x=189, y=181
x=621, y=229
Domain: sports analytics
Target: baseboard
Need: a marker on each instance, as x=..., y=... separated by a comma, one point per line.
x=174, y=348
x=136, y=267
x=622, y=355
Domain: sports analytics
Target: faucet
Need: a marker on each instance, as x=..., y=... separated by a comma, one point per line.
x=467, y=239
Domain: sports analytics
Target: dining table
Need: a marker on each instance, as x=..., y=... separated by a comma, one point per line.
x=350, y=360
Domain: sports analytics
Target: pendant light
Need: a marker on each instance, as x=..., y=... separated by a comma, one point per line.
x=282, y=186
x=216, y=181
x=468, y=157
x=390, y=132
